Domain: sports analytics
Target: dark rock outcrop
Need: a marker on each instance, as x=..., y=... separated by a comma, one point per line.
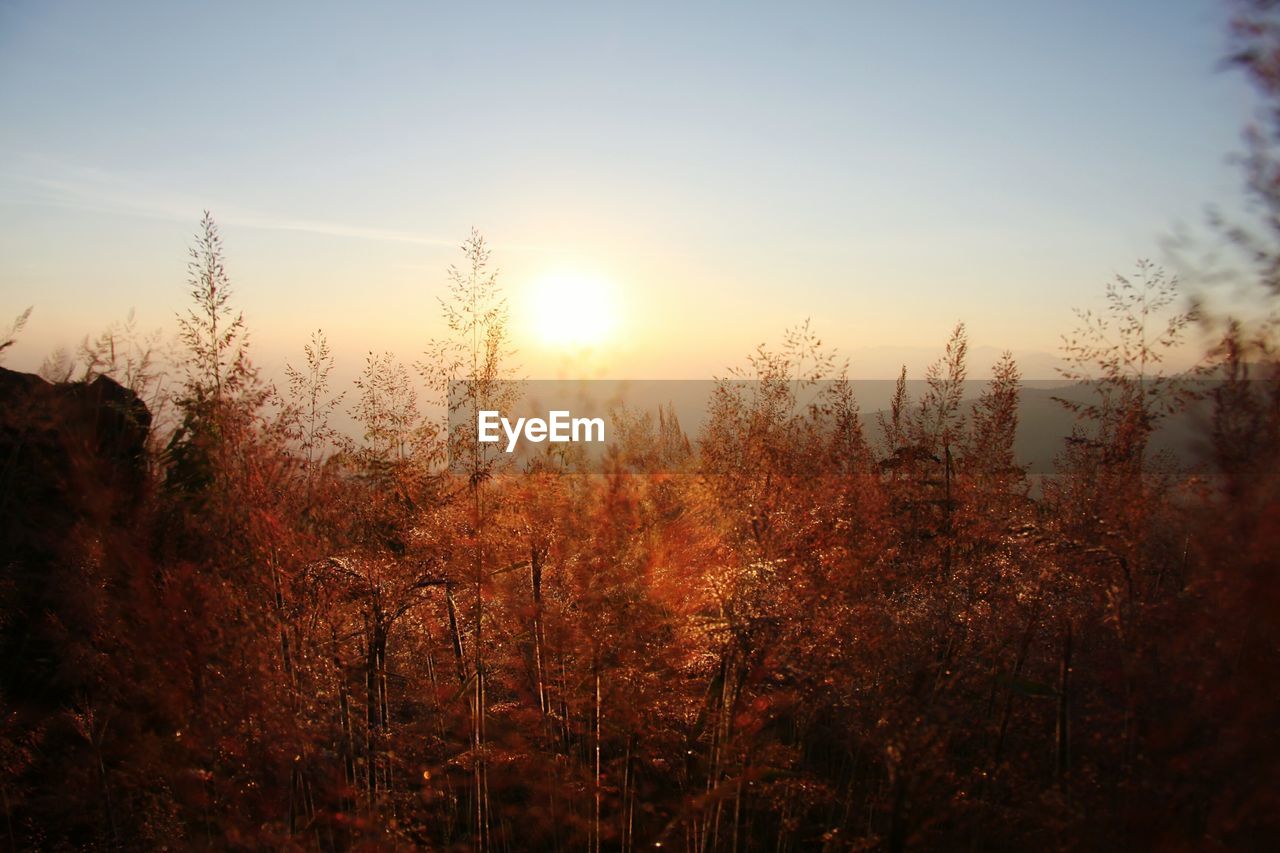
x=73, y=469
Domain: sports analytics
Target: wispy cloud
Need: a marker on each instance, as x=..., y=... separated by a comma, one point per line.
x=43, y=181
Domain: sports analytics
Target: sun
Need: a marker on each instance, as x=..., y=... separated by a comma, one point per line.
x=573, y=310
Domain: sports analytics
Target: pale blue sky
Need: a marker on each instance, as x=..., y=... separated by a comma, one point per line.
x=886, y=168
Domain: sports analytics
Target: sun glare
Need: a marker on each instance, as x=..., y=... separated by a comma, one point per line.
x=573, y=311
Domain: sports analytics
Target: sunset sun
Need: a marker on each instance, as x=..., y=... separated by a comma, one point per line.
x=572, y=310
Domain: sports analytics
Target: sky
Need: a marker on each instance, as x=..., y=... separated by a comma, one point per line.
x=721, y=171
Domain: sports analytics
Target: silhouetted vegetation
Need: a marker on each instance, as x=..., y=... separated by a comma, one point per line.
x=788, y=633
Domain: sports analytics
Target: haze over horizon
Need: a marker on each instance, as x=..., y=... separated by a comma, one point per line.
x=722, y=176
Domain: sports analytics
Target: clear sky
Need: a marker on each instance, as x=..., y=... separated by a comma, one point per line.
x=887, y=168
